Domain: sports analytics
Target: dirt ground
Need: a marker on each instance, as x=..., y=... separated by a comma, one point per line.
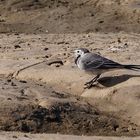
x=63, y=113
x=69, y=16
x=41, y=89
x=27, y=136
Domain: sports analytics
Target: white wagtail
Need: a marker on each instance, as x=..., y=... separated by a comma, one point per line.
x=96, y=64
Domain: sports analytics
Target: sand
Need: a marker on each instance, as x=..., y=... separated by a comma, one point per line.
x=42, y=94
x=41, y=87
x=25, y=136
x=69, y=16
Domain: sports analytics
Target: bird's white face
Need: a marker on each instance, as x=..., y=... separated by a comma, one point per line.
x=78, y=53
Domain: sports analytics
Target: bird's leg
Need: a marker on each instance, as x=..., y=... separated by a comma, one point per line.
x=93, y=80
x=90, y=83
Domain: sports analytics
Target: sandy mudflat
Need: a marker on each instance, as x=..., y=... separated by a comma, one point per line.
x=43, y=91
x=25, y=136
x=69, y=16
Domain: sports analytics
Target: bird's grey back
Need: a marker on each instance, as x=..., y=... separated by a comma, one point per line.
x=92, y=61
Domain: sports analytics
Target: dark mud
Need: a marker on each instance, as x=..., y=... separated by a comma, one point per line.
x=64, y=118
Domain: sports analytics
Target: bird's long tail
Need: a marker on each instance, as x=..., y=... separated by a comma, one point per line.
x=132, y=67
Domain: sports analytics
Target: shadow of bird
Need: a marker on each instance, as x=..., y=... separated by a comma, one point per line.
x=112, y=81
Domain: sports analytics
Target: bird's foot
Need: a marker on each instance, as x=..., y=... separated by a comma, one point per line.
x=91, y=82
x=88, y=86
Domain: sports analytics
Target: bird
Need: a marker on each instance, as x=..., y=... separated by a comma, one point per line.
x=93, y=63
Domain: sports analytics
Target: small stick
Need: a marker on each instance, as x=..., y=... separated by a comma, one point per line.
x=14, y=74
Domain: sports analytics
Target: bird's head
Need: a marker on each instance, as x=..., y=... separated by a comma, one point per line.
x=80, y=52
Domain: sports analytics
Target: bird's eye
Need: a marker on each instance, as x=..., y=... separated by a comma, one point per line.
x=78, y=51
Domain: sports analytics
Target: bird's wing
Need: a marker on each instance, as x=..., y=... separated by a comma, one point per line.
x=95, y=61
